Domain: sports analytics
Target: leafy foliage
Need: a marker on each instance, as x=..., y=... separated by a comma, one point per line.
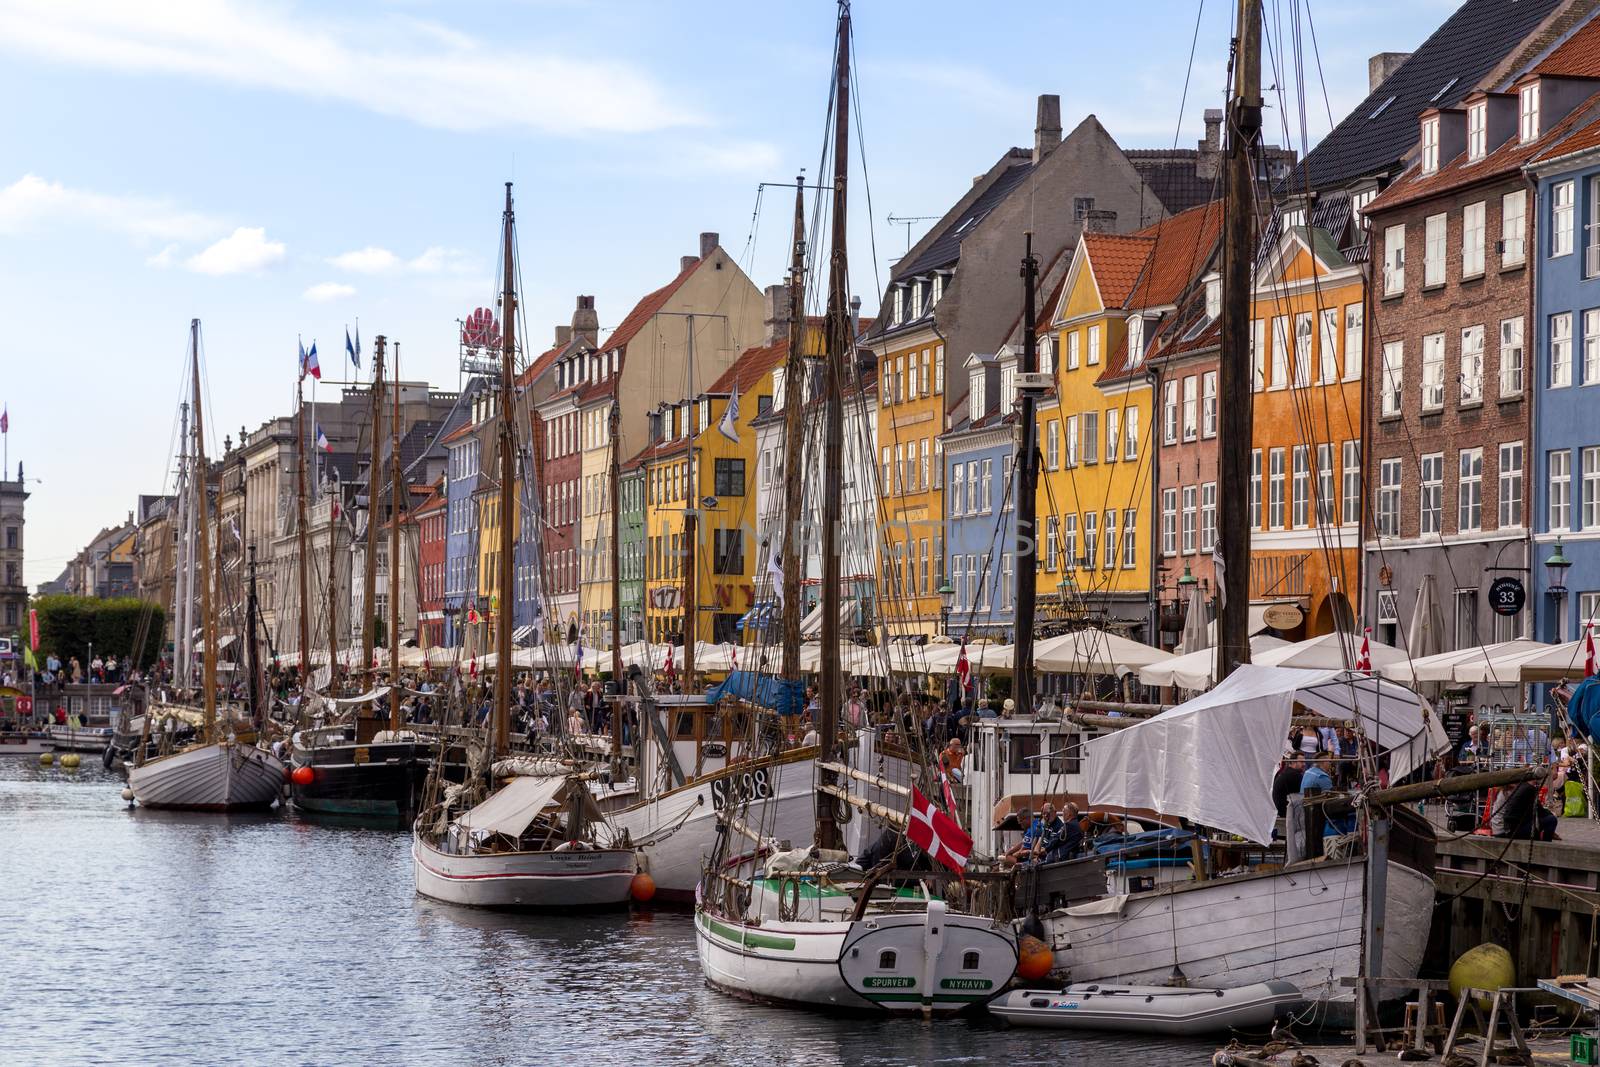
x=69, y=624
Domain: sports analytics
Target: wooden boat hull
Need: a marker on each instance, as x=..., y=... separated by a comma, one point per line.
x=1300, y=925
x=380, y=782
x=80, y=739
x=24, y=744
x=599, y=878
x=1148, y=1009
x=676, y=832
x=906, y=962
x=225, y=776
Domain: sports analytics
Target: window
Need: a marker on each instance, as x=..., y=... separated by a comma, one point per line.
x=1591, y=488
x=1472, y=240
x=1091, y=539
x=1091, y=436
x=1258, y=355
x=899, y=304
x=1008, y=388
x=1394, y=260
x=1466, y=602
x=1433, y=250
x=1469, y=491
x=1528, y=101
x=728, y=551
x=1559, y=464
x=1113, y=435
x=1072, y=440
x=1328, y=345
x=1069, y=537
x=1388, y=505
x=1561, y=350
x=1191, y=517
x=1135, y=340
x=1280, y=353
x=1208, y=516
x=976, y=401
x=1052, y=444
x=1112, y=543
x=1511, y=484
x=1511, y=357
x=729, y=477
x=1255, y=489
x=1300, y=505
x=1094, y=346
x=1169, y=413
x=1131, y=433
x=1324, y=484
x=1430, y=145
x=958, y=491
x=938, y=369
x=1052, y=536
x=1213, y=297
x=1513, y=228
x=1072, y=350
x=1591, y=346
x=1472, y=365
x=1350, y=505
x=1354, y=341
x=1275, y=489
x=1007, y=579
x=1191, y=408
x=1477, y=131
x=1591, y=231
x=1561, y=215
x=986, y=486
x=1130, y=537
x=1047, y=356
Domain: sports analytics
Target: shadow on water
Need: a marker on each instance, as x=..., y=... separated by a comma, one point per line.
x=174, y=938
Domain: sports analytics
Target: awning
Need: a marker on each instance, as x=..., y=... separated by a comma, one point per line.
x=520, y=635
x=811, y=625
x=513, y=807
x=1198, y=669
x=1329, y=652
x=1443, y=667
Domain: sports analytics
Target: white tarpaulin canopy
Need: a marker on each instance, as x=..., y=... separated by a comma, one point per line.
x=1211, y=759
x=1328, y=653
x=510, y=809
x=1092, y=651
x=1545, y=663
x=1443, y=667
x=1198, y=670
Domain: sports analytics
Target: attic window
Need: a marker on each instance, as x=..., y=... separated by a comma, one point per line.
x=1445, y=88
x=916, y=299
x=1381, y=108
x=1135, y=340
x=1430, y=145
x=1213, y=297
x=1528, y=98
x=938, y=290
x=1047, y=354
x=899, y=304
x=975, y=397
x=1477, y=131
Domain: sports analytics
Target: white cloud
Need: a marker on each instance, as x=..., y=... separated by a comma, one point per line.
x=245, y=249
x=326, y=291
x=437, y=260
x=164, y=258
x=369, y=260
x=422, y=72
x=32, y=201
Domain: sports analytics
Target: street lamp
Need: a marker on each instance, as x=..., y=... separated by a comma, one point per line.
x=947, y=597
x=1556, y=566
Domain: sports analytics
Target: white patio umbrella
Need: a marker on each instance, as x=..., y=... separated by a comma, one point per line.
x=1444, y=666
x=1198, y=670
x=1094, y=651
x=1196, y=634
x=1327, y=653
x=1547, y=663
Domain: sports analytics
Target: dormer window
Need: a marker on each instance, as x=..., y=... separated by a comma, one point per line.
x=1047, y=354
x=1008, y=388
x=1528, y=99
x=1430, y=145
x=899, y=304
x=1213, y=297
x=1135, y=340
x=1294, y=217
x=975, y=397
x=916, y=300
x=1477, y=131
x=938, y=291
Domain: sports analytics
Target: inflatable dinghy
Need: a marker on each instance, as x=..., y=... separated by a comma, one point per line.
x=1148, y=1009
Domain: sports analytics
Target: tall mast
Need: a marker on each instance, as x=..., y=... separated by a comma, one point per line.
x=333, y=603
x=615, y=491
x=369, y=578
x=691, y=534
x=1236, y=398
x=839, y=342
x=1027, y=467
x=252, y=655
x=500, y=734
x=301, y=521
x=397, y=501
x=794, y=377
x=183, y=588
x=208, y=624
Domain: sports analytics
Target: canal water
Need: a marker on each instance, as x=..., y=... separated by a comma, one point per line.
x=140, y=937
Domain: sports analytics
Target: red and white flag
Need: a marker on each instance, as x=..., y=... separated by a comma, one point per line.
x=5, y=419
x=670, y=669
x=1588, y=650
x=936, y=833
x=1364, y=657
x=963, y=667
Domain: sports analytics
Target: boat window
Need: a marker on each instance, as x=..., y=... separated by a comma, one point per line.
x=1065, y=753
x=886, y=960
x=1022, y=746
x=683, y=726
x=969, y=961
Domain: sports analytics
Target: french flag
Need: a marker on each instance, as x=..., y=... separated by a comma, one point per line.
x=308, y=362
x=323, y=444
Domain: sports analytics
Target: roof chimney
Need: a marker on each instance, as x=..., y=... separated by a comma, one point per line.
x=1100, y=220
x=1213, y=141
x=563, y=335
x=1380, y=66
x=685, y=262
x=1047, y=128
x=585, y=322
x=776, y=317
x=708, y=243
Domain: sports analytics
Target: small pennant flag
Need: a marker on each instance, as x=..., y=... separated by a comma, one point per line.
x=729, y=426
x=5, y=419
x=353, y=350
x=1588, y=650
x=963, y=666
x=323, y=444
x=1364, y=657
x=775, y=573
x=936, y=833
x=308, y=362
x=671, y=669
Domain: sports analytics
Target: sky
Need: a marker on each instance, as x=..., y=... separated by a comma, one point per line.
x=282, y=169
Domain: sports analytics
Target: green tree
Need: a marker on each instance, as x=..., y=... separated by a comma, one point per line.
x=68, y=625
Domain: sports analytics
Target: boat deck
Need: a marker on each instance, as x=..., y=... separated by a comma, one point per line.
x=1546, y=1048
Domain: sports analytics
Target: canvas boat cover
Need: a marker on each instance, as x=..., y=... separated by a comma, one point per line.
x=512, y=807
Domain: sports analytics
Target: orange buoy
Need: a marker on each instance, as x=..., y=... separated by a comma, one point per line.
x=1034, y=958
x=302, y=775
x=643, y=887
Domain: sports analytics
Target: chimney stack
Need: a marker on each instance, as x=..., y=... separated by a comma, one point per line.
x=776, y=317
x=1100, y=220
x=708, y=243
x=685, y=262
x=563, y=335
x=1208, y=160
x=585, y=322
x=1380, y=66
x=1047, y=128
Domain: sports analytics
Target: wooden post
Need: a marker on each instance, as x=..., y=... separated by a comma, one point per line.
x=614, y=481
x=369, y=579
x=1027, y=481
x=208, y=621
x=397, y=504
x=500, y=738
x=794, y=380
x=691, y=531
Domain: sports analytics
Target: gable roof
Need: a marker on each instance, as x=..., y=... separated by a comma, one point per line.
x=1576, y=57
x=645, y=310
x=1378, y=132
x=945, y=247
x=1179, y=247
x=1115, y=262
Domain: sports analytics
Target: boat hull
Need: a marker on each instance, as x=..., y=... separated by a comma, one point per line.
x=80, y=739
x=1301, y=925
x=599, y=878
x=25, y=744
x=1148, y=1009
x=364, y=782
x=226, y=776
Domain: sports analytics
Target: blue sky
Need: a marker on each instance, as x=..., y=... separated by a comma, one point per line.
x=281, y=168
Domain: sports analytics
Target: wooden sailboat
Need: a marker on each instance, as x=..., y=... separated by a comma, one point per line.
x=219, y=772
x=806, y=927
x=524, y=833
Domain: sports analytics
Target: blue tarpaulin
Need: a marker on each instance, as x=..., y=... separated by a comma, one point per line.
x=1583, y=709
x=784, y=697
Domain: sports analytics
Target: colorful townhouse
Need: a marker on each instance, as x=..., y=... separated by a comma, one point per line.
x=980, y=527
x=1558, y=105
x=464, y=449
x=432, y=517
x=632, y=551
x=560, y=468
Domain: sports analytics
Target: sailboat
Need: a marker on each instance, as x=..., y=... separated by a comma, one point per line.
x=522, y=832
x=806, y=927
x=219, y=771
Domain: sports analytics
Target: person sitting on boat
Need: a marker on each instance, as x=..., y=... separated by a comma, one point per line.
x=1052, y=836
x=1287, y=781
x=950, y=759
x=1064, y=843
x=1023, y=849
x=1525, y=818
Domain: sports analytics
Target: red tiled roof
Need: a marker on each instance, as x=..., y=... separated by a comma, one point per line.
x=750, y=366
x=537, y=368
x=1117, y=260
x=656, y=451
x=435, y=501
x=1179, y=247
x=1577, y=57
x=646, y=309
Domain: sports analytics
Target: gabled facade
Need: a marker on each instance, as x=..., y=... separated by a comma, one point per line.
x=431, y=518
x=980, y=529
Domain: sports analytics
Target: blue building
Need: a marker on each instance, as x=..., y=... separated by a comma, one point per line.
x=1566, y=429
x=464, y=451
x=980, y=520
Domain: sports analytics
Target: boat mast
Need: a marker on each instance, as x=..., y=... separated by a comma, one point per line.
x=183, y=589
x=839, y=342
x=614, y=418
x=794, y=378
x=369, y=579
x=1236, y=397
x=1027, y=466
x=396, y=496
x=691, y=531
x=208, y=624
x=252, y=656
x=333, y=603
x=500, y=732
x=301, y=521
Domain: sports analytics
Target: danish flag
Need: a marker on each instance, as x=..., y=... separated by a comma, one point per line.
x=963, y=668
x=1588, y=650
x=936, y=833
x=1364, y=657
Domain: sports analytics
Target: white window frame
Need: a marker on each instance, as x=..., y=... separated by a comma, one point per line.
x=1386, y=508
x=1435, y=249
x=1191, y=408
x=1094, y=346
x=1072, y=349
x=1558, y=466
x=1471, y=375
x=1394, y=260
x=1113, y=435
x=1130, y=429
x=1472, y=236
x=1355, y=341
x=1208, y=404
x=1512, y=362
x=1255, y=488
x=1589, y=460
x=1300, y=490
x=1432, y=373
x=1190, y=519
x=1111, y=542
x=1514, y=228
x=1510, y=485
x=1528, y=112
x=1350, y=502
x=1591, y=346
x=1130, y=539
x=1469, y=491
x=1208, y=516
x=1302, y=349
x=1430, y=145
x=1560, y=350
x=1563, y=213
x=1430, y=493
x=1477, y=131
x=1280, y=353
x=1276, y=476
x=1169, y=412
x=1327, y=345
x=1135, y=340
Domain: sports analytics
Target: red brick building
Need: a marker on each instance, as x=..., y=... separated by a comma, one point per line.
x=430, y=520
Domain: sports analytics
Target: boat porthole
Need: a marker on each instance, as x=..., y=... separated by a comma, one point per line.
x=886, y=960
x=969, y=961
x=1039, y=1003
x=855, y=953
